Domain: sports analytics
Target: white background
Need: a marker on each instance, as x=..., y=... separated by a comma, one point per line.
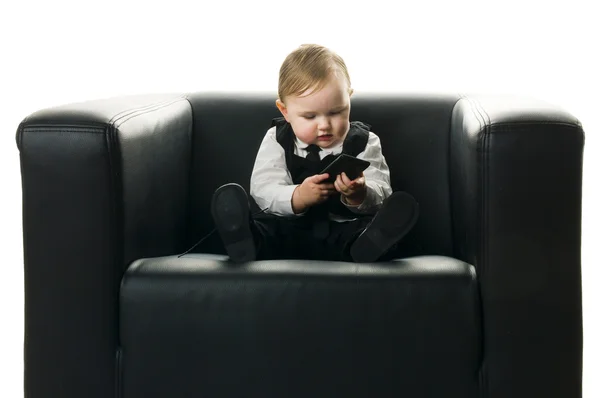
x=58, y=52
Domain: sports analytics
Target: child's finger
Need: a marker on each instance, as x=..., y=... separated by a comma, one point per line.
x=317, y=178
x=346, y=180
x=339, y=185
x=343, y=187
x=358, y=182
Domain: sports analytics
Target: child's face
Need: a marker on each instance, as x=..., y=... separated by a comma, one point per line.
x=320, y=117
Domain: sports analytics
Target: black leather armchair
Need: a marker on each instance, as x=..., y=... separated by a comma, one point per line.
x=484, y=299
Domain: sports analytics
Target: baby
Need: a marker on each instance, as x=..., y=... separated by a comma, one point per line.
x=305, y=216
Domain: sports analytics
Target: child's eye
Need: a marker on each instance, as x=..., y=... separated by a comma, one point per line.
x=309, y=117
x=335, y=113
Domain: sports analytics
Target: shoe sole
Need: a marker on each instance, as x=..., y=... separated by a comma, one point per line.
x=231, y=214
x=373, y=243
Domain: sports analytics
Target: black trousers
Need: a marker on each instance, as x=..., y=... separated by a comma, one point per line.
x=278, y=237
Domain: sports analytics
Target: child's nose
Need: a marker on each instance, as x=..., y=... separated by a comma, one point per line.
x=324, y=123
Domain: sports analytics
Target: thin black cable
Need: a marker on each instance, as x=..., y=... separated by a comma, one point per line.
x=209, y=234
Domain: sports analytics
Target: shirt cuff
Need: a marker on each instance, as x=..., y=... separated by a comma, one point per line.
x=366, y=206
x=284, y=201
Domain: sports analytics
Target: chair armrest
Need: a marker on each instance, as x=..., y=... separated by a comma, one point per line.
x=516, y=173
x=104, y=183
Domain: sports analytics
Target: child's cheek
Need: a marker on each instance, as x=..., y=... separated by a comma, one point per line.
x=343, y=126
x=307, y=133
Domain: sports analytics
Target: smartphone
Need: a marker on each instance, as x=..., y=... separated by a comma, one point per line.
x=345, y=163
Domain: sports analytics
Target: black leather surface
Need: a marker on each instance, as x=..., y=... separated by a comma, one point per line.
x=516, y=182
x=414, y=131
x=104, y=182
x=197, y=327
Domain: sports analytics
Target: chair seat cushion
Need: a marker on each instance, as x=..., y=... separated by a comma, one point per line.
x=200, y=326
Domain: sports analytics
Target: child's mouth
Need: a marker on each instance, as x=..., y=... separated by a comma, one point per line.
x=326, y=137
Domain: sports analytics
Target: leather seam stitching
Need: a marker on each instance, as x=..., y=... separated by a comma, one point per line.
x=127, y=112
x=145, y=110
x=451, y=189
x=540, y=123
x=483, y=159
x=70, y=129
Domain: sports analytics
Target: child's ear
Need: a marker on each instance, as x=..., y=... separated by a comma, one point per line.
x=282, y=109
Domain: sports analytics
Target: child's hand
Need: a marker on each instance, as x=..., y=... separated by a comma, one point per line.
x=311, y=192
x=354, y=191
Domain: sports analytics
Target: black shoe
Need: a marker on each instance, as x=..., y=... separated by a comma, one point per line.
x=231, y=214
x=392, y=222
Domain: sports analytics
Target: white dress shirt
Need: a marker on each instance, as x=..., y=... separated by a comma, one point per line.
x=272, y=187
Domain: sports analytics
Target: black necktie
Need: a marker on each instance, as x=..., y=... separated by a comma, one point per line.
x=313, y=153
x=319, y=214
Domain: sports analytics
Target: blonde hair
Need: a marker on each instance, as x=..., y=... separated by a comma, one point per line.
x=309, y=66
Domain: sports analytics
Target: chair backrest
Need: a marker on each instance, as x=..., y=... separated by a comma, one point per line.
x=414, y=132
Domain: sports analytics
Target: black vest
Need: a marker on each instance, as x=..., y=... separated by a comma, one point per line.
x=300, y=168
